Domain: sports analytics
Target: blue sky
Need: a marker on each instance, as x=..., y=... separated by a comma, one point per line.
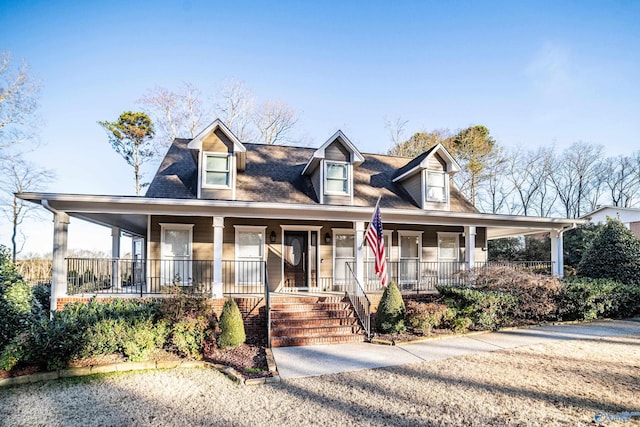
x=535, y=73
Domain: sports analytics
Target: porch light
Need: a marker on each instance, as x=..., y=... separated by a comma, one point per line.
x=272, y=236
x=327, y=238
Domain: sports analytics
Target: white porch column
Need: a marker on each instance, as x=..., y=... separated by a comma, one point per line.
x=59, y=264
x=470, y=247
x=115, y=255
x=218, y=228
x=359, y=241
x=557, y=255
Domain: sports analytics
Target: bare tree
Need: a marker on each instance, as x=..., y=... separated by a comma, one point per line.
x=175, y=114
x=274, y=120
x=19, y=94
x=494, y=193
x=19, y=176
x=622, y=179
x=575, y=177
x=546, y=197
x=525, y=175
x=236, y=109
x=396, y=129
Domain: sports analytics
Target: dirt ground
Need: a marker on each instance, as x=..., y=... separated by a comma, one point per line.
x=559, y=384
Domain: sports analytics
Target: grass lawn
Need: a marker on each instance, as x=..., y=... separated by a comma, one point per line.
x=564, y=383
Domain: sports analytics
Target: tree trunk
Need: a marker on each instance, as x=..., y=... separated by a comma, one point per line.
x=14, y=232
x=136, y=169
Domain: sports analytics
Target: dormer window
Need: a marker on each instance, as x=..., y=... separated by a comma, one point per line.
x=436, y=190
x=216, y=170
x=337, y=178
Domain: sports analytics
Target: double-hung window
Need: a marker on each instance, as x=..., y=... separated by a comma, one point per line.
x=337, y=178
x=217, y=172
x=436, y=187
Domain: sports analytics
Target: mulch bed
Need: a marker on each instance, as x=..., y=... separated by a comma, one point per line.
x=250, y=359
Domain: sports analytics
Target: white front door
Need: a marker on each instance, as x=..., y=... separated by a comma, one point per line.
x=176, y=254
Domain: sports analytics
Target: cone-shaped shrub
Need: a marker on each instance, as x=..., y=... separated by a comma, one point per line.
x=232, y=326
x=613, y=254
x=390, y=315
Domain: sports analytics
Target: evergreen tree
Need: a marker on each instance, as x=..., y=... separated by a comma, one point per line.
x=613, y=254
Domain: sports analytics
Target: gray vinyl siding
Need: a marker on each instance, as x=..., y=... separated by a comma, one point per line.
x=337, y=152
x=436, y=163
x=413, y=186
x=330, y=199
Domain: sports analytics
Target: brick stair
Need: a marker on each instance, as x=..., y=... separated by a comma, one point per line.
x=297, y=321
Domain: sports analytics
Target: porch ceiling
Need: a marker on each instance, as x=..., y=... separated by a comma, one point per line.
x=130, y=213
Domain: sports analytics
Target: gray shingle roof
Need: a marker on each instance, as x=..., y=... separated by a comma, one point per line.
x=274, y=174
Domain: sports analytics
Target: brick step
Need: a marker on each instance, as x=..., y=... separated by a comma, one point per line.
x=315, y=331
x=321, y=306
x=313, y=314
x=311, y=323
x=327, y=339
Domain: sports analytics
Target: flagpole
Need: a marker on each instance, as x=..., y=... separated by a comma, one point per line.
x=371, y=220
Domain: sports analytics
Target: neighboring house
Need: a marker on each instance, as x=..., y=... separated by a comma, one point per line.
x=225, y=217
x=630, y=217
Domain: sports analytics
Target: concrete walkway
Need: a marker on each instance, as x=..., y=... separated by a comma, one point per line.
x=313, y=360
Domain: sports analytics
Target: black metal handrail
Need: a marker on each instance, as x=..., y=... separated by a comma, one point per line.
x=359, y=300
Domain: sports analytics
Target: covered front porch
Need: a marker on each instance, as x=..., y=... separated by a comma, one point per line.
x=219, y=248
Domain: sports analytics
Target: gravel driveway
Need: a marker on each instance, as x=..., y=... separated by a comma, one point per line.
x=563, y=383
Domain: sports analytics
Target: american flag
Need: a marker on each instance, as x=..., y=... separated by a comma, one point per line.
x=375, y=238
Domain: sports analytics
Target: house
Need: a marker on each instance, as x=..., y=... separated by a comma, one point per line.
x=223, y=217
x=630, y=217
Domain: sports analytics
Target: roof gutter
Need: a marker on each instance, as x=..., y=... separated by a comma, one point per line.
x=47, y=206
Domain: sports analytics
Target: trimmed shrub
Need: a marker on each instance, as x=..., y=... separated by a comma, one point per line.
x=588, y=299
x=423, y=317
x=187, y=336
x=536, y=294
x=485, y=309
x=232, y=326
x=614, y=254
x=391, y=311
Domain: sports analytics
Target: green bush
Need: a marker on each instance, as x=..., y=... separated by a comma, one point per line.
x=144, y=337
x=187, y=336
x=588, y=299
x=614, y=254
x=391, y=311
x=423, y=317
x=232, y=325
x=486, y=309
x=42, y=294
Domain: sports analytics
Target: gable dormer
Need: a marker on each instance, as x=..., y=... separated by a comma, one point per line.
x=427, y=178
x=331, y=170
x=219, y=156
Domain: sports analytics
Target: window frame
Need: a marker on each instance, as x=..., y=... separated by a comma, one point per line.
x=207, y=154
x=347, y=179
x=445, y=187
x=338, y=232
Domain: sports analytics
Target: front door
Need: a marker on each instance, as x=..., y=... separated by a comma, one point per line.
x=295, y=259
